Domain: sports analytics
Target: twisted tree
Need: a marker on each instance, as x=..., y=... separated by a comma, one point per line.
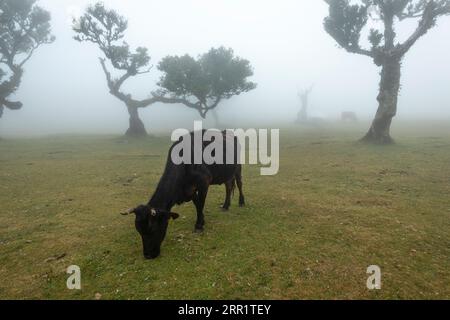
x=201, y=84
x=304, y=99
x=24, y=27
x=106, y=29
x=345, y=24
x=216, y=117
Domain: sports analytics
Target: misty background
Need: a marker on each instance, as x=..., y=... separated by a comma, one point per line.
x=64, y=89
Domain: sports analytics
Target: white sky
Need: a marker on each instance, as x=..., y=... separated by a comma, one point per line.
x=64, y=89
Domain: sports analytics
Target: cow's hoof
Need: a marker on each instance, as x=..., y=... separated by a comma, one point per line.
x=224, y=209
x=242, y=204
x=198, y=230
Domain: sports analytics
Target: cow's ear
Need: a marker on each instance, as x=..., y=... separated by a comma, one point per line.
x=174, y=215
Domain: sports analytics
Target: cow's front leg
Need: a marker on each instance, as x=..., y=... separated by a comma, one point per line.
x=202, y=179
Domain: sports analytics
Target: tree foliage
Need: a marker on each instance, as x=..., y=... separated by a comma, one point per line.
x=24, y=27
x=347, y=19
x=204, y=82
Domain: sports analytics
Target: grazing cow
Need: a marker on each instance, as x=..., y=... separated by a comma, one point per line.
x=182, y=183
x=349, y=116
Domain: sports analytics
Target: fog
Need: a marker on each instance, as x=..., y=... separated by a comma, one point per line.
x=64, y=89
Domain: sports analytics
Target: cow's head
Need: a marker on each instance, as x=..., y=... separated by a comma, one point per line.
x=152, y=225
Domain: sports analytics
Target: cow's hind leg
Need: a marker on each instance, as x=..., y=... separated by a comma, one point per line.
x=229, y=186
x=239, y=185
x=199, y=202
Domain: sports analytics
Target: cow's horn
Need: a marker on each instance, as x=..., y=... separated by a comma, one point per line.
x=126, y=213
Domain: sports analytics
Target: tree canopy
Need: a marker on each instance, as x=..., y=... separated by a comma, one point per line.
x=204, y=82
x=24, y=27
x=347, y=19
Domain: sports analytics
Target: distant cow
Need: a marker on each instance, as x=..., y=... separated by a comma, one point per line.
x=184, y=183
x=349, y=116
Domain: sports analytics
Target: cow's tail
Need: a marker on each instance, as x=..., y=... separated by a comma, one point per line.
x=233, y=186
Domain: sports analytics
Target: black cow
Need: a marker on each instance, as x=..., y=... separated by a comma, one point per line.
x=184, y=183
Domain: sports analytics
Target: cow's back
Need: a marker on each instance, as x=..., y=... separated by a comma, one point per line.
x=219, y=173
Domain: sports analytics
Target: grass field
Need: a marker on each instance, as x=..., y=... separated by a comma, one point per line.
x=310, y=232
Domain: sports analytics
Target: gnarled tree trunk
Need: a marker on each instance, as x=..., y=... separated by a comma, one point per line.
x=137, y=128
x=379, y=132
x=302, y=114
x=217, y=122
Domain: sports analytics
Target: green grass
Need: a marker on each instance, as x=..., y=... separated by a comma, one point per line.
x=310, y=232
